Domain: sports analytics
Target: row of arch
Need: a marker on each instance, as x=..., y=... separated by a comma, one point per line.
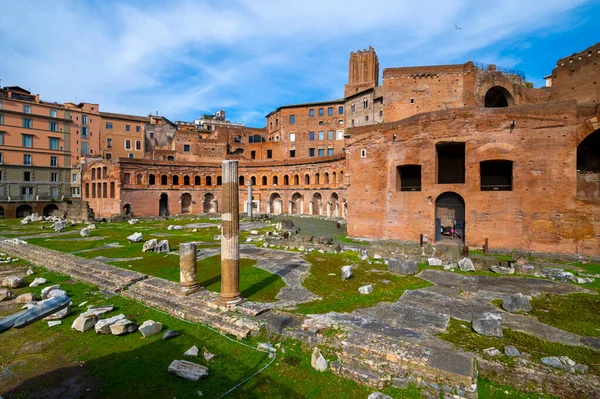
x=275, y=180
x=99, y=173
x=26, y=210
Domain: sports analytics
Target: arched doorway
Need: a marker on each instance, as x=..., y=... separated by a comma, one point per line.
x=49, y=209
x=497, y=97
x=296, y=204
x=186, y=203
x=316, y=204
x=333, y=208
x=450, y=218
x=163, y=205
x=24, y=210
x=275, y=204
x=1, y=212
x=127, y=209
x=588, y=167
x=210, y=203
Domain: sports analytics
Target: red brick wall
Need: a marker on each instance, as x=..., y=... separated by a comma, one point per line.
x=578, y=77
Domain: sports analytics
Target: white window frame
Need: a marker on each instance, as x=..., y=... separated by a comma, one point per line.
x=339, y=135
x=292, y=136
x=127, y=144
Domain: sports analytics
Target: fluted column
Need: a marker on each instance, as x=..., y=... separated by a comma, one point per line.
x=230, y=237
x=188, y=282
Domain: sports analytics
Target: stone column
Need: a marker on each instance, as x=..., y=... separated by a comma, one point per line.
x=230, y=244
x=250, y=200
x=187, y=268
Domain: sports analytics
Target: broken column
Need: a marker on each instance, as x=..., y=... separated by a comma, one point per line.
x=250, y=200
x=230, y=244
x=187, y=267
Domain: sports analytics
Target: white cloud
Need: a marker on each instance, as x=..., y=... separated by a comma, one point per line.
x=188, y=57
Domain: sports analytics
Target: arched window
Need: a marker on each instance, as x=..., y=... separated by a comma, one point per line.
x=208, y=181
x=170, y=158
x=139, y=178
x=253, y=178
x=131, y=155
x=264, y=180
x=151, y=179
x=334, y=177
x=241, y=180
x=186, y=180
x=219, y=180
x=164, y=180
x=341, y=177
x=104, y=172
x=275, y=180
x=286, y=180
x=497, y=97
x=326, y=178
x=307, y=179
x=197, y=180
x=317, y=178
x=296, y=180
x=588, y=167
x=175, y=180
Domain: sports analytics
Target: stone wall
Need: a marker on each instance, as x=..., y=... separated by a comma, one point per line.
x=577, y=77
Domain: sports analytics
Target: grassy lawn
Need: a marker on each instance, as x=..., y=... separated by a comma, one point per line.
x=43, y=359
x=466, y=338
x=577, y=313
x=343, y=296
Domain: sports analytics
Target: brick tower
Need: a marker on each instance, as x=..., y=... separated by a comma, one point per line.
x=363, y=71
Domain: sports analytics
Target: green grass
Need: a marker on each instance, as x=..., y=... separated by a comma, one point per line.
x=577, y=313
x=489, y=389
x=469, y=340
x=130, y=366
x=343, y=296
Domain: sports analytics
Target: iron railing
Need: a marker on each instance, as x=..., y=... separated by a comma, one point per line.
x=508, y=71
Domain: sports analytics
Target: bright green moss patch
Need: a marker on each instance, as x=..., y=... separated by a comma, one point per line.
x=577, y=313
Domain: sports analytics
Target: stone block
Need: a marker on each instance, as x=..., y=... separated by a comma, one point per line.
x=318, y=361
x=12, y=282
x=366, y=289
x=516, y=303
x=123, y=327
x=84, y=322
x=135, y=237
x=188, y=370
x=488, y=324
x=347, y=272
x=150, y=245
x=434, y=262
x=150, y=328
x=46, y=291
x=37, y=281
x=192, y=352
x=25, y=298
x=403, y=266
x=5, y=293
x=466, y=265
x=103, y=325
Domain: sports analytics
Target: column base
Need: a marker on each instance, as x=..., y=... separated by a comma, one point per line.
x=190, y=290
x=227, y=302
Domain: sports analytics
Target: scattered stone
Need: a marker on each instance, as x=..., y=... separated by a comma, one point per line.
x=84, y=232
x=83, y=303
x=135, y=237
x=37, y=281
x=466, y=265
x=149, y=328
x=132, y=221
x=379, y=395
x=188, y=370
x=580, y=368
x=91, y=226
x=85, y=321
x=516, y=303
x=254, y=232
x=264, y=346
x=103, y=325
x=123, y=327
x=502, y=269
x=54, y=323
x=178, y=227
x=376, y=256
x=488, y=324
x=511, y=351
x=528, y=270
x=47, y=290
x=25, y=298
x=567, y=360
x=12, y=282
x=207, y=355
x=30, y=272
x=553, y=361
x=100, y=310
x=150, y=245
x=366, y=289
x=56, y=293
x=59, y=225
x=162, y=246
x=5, y=293
x=347, y=272
x=192, y=352
x=170, y=227
x=195, y=231
x=169, y=334
x=402, y=266
x=492, y=352
x=318, y=361
x=61, y=314
x=434, y=262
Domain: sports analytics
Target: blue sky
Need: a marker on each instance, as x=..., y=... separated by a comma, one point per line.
x=186, y=58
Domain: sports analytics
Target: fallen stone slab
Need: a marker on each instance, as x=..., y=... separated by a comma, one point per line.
x=488, y=324
x=54, y=323
x=150, y=245
x=492, y=352
x=12, y=282
x=46, y=291
x=150, y=328
x=55, y=293
x=434, y=262
x=207, y=355
x=123, y=327
x=38, y=281
x=502, y=269
x=135, y=237
x=365, y=289
x=84, y=232
x=25, y=298
x=170, y=334
x=511, y=351
x=188, y=370
x=162, y=246
x=265, y=346
x=178, y=227
x=318, y=361
x=30, y=272
x=100, y=310
x=84, y=322
x=132, y=221
x=192, y=352
x=5, y=293
x=61, y=314
x=403, y=266
x=516, y=303
x=347, y=272
x=103, y=325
